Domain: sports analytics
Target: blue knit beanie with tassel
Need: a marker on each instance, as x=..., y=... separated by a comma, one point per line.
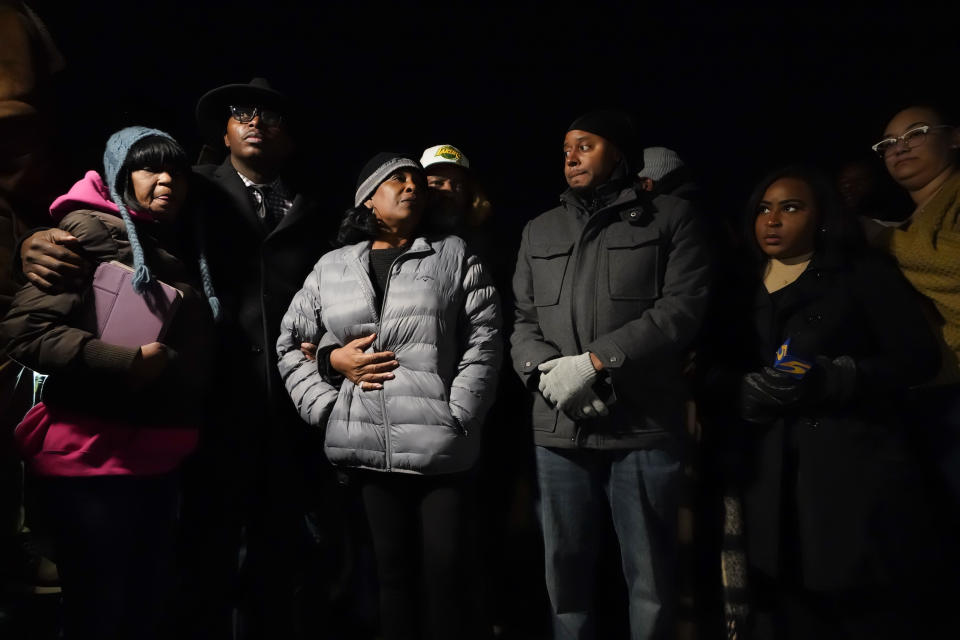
x=114, y=157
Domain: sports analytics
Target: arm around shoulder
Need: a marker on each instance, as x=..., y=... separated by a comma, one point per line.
x=39, y=328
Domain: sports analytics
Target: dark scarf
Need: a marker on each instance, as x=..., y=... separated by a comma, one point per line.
x=592, y=199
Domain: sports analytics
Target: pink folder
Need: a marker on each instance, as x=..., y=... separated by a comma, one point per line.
x=126, y=318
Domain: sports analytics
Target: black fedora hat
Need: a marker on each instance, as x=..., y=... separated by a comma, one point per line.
x=213, y=106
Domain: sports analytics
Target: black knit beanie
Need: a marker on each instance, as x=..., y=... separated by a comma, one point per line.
x=615, y=126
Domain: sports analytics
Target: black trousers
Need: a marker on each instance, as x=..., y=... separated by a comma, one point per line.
x=793, y=613
x=114, y=545
x=422, y=537
x=15, y=401
x=242, y=556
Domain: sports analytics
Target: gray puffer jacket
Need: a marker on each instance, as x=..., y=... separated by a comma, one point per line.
x=440, y=316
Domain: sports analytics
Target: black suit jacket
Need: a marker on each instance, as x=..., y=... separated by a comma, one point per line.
x=256, y=274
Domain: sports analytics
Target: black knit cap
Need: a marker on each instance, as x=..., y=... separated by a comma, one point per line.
x=613, y=125
x=378, y=169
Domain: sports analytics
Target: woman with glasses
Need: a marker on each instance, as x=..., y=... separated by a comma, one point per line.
x=919, y=149
x=409, y=435
x=823, y=338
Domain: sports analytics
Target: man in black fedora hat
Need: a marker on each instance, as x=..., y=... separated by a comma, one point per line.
x=255, y=123
x=245, y=493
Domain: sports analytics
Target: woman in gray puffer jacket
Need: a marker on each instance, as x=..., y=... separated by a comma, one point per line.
x=426, y=304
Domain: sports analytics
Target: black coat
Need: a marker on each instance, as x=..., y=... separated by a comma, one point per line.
x=833, y=493
x=255, y=274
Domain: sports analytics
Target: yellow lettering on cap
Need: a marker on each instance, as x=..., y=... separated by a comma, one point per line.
x=448, y=153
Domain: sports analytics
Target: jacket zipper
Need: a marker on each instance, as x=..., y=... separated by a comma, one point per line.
x=577, y=437
x=573, y=290
x=596, y=282
x=605, y=211
x=379, y=347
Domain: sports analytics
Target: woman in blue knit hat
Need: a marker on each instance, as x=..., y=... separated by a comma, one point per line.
x=115, y=421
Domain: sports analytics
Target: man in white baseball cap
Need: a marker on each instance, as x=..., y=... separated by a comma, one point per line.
x=449, y=179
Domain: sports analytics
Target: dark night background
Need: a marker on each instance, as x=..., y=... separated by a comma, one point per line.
x=736, y=90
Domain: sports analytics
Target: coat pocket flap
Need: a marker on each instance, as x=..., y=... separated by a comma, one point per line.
x=550, y=250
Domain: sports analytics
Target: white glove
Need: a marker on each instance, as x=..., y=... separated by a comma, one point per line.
x=564, y=380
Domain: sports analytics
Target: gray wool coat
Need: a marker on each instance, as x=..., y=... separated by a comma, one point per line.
x=440, y=315
x=627, y=282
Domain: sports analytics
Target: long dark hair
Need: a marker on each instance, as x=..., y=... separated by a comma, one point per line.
x=358, y=224
x=151, y=152
x=838, y=233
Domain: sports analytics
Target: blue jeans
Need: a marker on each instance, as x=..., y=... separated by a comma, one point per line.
x=642, y=488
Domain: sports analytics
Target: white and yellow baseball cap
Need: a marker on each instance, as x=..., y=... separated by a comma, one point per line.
x=444, y=154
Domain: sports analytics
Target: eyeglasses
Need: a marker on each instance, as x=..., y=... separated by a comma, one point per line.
x=911, y=139
x=245, y=114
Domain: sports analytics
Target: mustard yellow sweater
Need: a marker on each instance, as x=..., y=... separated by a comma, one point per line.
x=928, y=252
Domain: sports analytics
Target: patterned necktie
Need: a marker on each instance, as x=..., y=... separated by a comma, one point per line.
x=275, y=204
x=268, y=205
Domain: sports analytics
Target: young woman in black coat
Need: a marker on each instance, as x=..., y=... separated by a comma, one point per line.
x=837, y=534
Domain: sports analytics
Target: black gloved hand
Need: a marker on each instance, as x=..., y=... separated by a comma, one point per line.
x=765, y=394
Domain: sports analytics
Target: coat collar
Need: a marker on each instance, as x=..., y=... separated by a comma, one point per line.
x=228, y=177
x=806, y=286
x=361, y=250
x=302, y=207
x=357, y=257
x=826, y=262
x=633, y=206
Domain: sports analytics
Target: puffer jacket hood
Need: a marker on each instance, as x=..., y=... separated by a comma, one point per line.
x=90, y=192
x=440, y=316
